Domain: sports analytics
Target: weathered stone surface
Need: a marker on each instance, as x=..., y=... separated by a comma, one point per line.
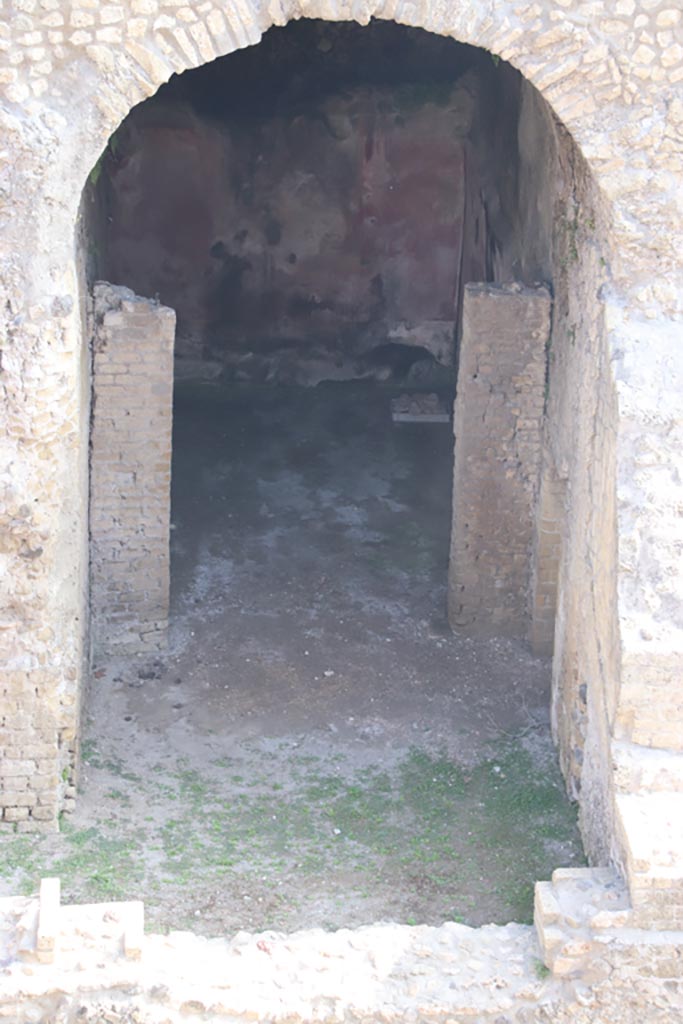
x=130, y=471
x=386, y=971
x=611, y=73
x=651, y=825
x=550, y=513
x=498, y=420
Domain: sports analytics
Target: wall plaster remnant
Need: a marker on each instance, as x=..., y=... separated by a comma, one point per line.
x=605, y=77
x=498, y=430
x=130, y=471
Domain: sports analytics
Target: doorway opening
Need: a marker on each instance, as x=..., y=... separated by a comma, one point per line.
x=312, y=743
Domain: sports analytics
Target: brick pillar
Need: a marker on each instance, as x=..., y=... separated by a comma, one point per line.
x=498, y=418
x=130, y=471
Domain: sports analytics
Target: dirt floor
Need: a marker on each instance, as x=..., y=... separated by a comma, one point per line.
x=317, y=748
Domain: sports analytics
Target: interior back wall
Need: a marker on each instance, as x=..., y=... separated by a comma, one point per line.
x=307, y=235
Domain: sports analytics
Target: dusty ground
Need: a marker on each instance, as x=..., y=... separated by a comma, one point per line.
x=317, y=748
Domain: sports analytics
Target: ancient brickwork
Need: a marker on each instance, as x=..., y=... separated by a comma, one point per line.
x=546, y=557
x=611, y=70
x=130, y=471
x=31, y=788
x=498, y=424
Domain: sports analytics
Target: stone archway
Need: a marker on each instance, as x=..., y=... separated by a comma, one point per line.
x=441, y=208
x=68, y=80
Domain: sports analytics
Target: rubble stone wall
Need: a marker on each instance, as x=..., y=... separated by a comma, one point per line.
x=130, y=472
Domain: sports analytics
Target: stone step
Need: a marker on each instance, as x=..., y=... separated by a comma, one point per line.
x=573, y=910
x=650, y=827
x=646, y=770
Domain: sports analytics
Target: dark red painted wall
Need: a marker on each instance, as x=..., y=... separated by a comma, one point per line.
x=308, y=237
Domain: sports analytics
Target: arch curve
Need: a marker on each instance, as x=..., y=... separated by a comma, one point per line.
x=66, y=84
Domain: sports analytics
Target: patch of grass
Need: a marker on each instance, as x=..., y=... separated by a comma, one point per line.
x=18, y=856
x=90, y=755
x=465, y=843
x=439, y=829
x=540, y=970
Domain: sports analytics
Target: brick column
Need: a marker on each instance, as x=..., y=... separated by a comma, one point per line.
x=498, y=417
x=130, y=471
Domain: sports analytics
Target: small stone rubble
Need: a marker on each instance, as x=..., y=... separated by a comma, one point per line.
x=93, y=962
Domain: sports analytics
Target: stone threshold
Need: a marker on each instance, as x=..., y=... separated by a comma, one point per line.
x=94, y=962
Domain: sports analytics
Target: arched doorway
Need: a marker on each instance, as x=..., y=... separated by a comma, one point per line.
x=599, y=637
x=331, y=233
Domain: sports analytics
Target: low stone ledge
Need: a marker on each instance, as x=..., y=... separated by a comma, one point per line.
x=381, y=972
x=106, y=971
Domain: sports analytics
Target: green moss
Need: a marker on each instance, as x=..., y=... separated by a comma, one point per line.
x=463, y=837
x=541, y=971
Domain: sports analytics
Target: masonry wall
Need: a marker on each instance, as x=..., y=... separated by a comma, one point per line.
x=546, y=556
x=130, y=471
x=584, y=963
x=612, y=73
x=579, y=455
x=304, y=213
x=498, y=421
x=562, y=225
